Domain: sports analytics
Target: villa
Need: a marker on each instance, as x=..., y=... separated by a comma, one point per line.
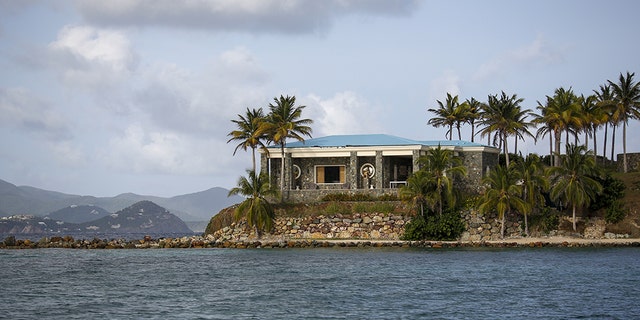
x=369, y=163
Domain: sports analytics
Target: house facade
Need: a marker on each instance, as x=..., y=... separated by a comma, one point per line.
x=372, y=163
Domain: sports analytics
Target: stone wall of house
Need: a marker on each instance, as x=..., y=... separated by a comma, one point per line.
x=633, y=162
x=477, y=164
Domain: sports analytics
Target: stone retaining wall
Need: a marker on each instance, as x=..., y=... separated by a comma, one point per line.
x=374, y=226
x=367, y=226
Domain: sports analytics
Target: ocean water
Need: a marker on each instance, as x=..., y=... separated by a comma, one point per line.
x=327, y=283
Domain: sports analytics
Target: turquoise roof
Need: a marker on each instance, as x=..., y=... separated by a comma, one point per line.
x=367, y=140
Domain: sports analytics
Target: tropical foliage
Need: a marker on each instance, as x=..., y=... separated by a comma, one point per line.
x=256, y=208
x=503, y=194
x=283, y=122
x=573, y=180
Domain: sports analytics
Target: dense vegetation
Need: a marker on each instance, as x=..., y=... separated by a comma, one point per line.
x=577, y=179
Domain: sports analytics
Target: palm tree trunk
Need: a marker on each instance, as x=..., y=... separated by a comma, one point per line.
x=624, y=147
x=604, y=149
x=253, y=153
x=459, y=136
x=551, y=158
x=574, y=217
x=502, y=225
x=613, y=142
x=558, y=135
x=595, y=147
x=506, y=151
x=526, y=225
x=282, y=172
x=473, y=130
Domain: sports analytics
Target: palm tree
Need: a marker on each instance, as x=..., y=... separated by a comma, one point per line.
x=447, y=115
x=573, y=180
x=248, y=132
x=442, y=167
x=473, y=114
x=284, y=122
x=604, y=100
x=594, y=116
x=417, y=190
x=627, y=97
x=560, y=114
x=533, y=182
x=256, y=208
x=503, y=194
x=504, y=116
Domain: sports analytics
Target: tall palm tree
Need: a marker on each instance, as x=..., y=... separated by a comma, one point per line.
x=256, y=208
x=604, y=100
x=533, y=182
x=248, y=132
x=284, y=122
x=503, y=194
x=473, y=114
x=448, y=114
x=573, y=180
x=560, y=114
x=503, y=115
x=627, y=97
x=442, y=167
x=594, y=116
x=417, y=190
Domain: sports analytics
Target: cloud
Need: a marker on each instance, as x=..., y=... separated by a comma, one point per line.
x=146, y=151
x=201, y=102
x=92, y=58
x=448, y=82
x=344, y=113
x=23, y=111
x=254, y=16
x=537, y=53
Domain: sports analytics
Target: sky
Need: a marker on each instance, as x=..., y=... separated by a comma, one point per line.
x=107, y=97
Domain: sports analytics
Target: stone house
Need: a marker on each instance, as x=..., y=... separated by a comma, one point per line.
x=368, y=163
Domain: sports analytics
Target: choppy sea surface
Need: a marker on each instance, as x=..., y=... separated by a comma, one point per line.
x=327, y=283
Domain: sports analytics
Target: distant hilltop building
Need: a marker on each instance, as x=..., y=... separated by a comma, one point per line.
x=369, y=163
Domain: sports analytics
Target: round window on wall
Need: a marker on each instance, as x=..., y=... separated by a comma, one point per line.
x=296, y=171
x=367, y=170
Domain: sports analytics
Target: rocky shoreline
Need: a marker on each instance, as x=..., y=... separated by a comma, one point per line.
x=68, y=242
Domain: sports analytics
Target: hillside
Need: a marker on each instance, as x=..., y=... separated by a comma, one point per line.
x=78, y=214
x=142, y=217
x=199, y=206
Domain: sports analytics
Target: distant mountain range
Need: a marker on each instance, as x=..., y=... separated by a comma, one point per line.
x=199, y=206
x=142, y=217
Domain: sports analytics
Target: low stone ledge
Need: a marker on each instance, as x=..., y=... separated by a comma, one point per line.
x=198, y=242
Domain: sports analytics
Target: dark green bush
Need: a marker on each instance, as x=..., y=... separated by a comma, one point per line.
x=615, y=213
x=612, y=191
x=388, y=197
x=449, y=226
x=548, y=220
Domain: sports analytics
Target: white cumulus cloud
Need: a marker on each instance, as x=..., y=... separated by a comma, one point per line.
x=90, y=57
x=344, y=113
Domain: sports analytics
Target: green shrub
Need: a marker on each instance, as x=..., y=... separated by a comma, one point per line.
x=382, y=207
x=388, y=197
x=612, y=191
x=337, y=207
x=551, y=222
x=360, y=208
x=615, y=213
x=415, y=229
x=449, y=226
